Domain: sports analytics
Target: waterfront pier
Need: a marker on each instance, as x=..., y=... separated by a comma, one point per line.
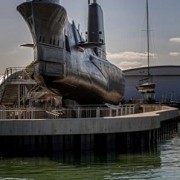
x=94, y=133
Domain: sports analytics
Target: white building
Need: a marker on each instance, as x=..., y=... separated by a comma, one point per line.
x=166, y=78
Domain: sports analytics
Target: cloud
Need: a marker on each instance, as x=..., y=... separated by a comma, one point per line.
x=127, y=64
x=128, y=55
x=174, y=54
x=128, y=59
x=175, y=40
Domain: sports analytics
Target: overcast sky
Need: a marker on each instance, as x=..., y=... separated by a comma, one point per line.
x=124, y=29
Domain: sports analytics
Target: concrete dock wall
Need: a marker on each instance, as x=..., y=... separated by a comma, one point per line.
x=86, y=139
x=130, y=123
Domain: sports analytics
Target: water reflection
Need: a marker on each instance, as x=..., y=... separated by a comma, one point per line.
x=125, y=166
x=162, y=164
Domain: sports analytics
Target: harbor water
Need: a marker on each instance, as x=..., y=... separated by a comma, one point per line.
x=161, y=164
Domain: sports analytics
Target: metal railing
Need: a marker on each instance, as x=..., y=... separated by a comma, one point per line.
x=77, y=112
x=14, y=75
x=150, y=108
x=10, y=71
x=7, y=74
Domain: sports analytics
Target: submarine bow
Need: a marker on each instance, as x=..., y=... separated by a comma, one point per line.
x=65, y=63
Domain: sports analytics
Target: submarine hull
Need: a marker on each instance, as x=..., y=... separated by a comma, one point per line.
x=64, y=67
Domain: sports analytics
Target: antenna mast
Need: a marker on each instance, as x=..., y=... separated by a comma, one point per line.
x=148, y=54
x=94, y=1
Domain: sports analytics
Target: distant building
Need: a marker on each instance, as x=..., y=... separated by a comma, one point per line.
x=167, y=79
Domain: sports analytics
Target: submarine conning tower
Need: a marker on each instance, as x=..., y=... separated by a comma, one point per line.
x=48, y=1
x=95, y=32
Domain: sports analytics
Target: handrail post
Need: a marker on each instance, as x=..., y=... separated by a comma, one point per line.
x=110, y=112
x=116, y=112
x=78, y=112
x=97, y=112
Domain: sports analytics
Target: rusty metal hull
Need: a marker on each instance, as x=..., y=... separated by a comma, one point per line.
x=62, y=64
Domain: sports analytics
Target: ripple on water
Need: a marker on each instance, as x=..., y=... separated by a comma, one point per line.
x=163, y=165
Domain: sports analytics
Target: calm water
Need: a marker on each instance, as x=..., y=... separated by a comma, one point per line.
x=164, y=164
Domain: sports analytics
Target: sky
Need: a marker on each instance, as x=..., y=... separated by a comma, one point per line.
x=125, y=25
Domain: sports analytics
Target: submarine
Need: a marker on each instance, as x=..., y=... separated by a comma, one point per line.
x=67, y=64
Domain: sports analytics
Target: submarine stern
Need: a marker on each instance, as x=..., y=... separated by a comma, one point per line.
x=47, y=21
